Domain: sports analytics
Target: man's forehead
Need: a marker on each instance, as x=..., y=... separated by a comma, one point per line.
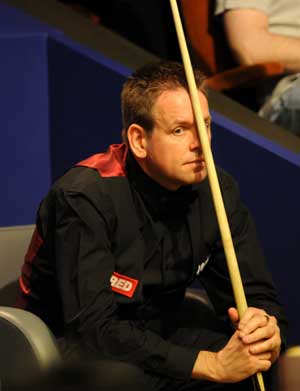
x=175, y=101
x=175, y=92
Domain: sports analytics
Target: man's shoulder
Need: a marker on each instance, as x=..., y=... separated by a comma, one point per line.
x=83, y=190
x=87, y=181
x=98, y=172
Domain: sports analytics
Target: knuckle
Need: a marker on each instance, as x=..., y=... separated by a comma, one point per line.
x=279, y=342
x=269, y=355
x=277, y=331
x=273, y=330
x=268, y=364
x=272, y=345
x=255, y=311
x=265, y=365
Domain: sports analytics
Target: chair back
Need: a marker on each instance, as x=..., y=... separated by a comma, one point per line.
x=14, y=242
x=289, y=370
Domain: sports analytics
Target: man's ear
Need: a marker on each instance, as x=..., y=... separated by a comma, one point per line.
x=137, y=139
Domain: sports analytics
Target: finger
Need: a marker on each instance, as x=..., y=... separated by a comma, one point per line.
x=264, y=365
x=247, y=316
x=265, y=356
x=265, y=346
x=261, y=333
x=233, y=316
x=250, y=312
x=252, y=320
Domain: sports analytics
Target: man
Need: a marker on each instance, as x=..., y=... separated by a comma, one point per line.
x=121, y=235
x=265, y=31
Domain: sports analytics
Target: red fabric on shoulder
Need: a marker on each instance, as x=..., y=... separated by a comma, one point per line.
x=109, y=164
x=34, y=246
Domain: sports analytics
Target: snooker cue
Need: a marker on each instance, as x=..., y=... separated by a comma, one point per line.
x=232, y=264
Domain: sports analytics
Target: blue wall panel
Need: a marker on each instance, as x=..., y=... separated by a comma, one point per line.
x=24, y=145
x=59, y=103
x=268, y=180
x=85, y=112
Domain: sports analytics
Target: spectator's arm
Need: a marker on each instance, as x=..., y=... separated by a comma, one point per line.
x=251, y=41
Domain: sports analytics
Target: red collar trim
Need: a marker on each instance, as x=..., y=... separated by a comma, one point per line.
x=111, y=163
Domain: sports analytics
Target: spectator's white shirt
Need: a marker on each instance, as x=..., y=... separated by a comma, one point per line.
x=284, y=15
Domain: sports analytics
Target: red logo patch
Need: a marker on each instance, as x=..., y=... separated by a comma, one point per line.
x=122, y=284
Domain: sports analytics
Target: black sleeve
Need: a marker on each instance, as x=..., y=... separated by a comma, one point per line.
x=84, y=266
x=257, y=281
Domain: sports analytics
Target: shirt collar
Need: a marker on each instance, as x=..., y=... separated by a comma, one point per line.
x=159, y=200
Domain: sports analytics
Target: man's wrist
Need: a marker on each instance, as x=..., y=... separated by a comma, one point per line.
x=205, y=367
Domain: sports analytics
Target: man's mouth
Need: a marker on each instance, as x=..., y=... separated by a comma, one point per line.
x=199, y=161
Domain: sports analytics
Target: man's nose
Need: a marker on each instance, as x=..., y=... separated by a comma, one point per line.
x=195, y=142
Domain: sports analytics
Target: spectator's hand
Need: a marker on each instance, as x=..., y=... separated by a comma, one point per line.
x=258, y=331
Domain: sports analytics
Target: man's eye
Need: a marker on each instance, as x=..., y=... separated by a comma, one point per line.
x=178, y=131
x=207, y=124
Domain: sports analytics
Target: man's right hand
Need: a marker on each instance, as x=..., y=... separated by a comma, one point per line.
x=231, y=364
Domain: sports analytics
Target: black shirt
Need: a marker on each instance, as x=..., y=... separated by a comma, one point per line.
x=96, y=221
x=171, y=266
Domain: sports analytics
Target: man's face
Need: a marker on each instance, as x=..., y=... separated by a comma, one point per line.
x=173, y=152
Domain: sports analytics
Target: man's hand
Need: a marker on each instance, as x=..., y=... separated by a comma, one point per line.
x=231, y=364
x=258, y=331
x=254, y=346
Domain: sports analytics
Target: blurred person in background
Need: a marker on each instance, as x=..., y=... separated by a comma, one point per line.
x=264, y=31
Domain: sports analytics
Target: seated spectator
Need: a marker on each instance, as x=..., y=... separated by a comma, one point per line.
x=263, y=31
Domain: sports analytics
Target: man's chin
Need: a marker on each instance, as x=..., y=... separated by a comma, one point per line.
x=195, y=179
x=200, y=176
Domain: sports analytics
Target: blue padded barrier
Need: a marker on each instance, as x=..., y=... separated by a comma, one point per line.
x=268, y=178
x=59, y=104
x=24, y=146
x=84, y=105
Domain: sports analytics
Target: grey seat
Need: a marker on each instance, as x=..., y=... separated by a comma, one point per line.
x=28, y=348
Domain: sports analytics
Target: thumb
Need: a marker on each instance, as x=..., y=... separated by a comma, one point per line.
x=234, y=316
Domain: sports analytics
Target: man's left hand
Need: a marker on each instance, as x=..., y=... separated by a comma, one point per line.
x=258, y=330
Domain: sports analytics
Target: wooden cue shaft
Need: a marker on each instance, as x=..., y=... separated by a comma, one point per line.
x=231, y=259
